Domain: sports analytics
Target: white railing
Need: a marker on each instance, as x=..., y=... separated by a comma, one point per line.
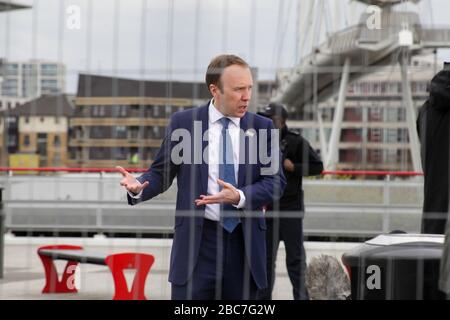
x=95, y=202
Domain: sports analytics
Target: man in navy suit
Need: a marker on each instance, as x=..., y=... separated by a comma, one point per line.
x=227, y=164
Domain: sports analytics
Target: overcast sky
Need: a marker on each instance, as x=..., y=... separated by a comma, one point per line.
x=175, y=39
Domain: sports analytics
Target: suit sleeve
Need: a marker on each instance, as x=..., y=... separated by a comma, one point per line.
x=161, y=173
x=310, y=163
x=268, y=187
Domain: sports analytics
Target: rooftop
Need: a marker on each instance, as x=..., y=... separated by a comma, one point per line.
x=44, y=106
x=105, y=86
x=384, y=3
x=8, y=6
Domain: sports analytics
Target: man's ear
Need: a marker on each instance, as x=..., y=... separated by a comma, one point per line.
x=213, y=89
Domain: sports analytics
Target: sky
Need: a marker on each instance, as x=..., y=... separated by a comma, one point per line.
x=176, y=39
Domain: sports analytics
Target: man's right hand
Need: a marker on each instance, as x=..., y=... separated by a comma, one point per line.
x=131, y=183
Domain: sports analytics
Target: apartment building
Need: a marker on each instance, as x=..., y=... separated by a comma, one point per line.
x=123, y=121
x=374, y=132
x=39, y=127
x=31, y=79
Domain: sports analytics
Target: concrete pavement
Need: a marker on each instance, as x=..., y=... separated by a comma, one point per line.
x=24, y=273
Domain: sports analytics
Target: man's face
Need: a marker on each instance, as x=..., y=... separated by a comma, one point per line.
x=233, y=98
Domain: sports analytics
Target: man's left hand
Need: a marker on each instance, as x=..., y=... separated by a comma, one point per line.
x=288, y=165
x=228, y=194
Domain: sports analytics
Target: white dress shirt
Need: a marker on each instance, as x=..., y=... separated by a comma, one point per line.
x=212, y=211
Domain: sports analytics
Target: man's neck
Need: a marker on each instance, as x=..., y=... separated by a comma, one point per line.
x=217, y=108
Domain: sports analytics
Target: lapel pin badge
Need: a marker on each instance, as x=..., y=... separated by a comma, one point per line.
x=249, y=133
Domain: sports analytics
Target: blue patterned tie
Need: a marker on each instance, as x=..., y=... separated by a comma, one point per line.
x=226, y=173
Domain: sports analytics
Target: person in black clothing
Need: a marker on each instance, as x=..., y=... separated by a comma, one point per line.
x=434, y=130
x=299, y=160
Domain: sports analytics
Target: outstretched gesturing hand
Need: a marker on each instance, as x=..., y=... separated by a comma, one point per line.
x=131, y=183
x=228, y=194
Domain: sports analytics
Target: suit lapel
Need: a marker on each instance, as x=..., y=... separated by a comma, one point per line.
x=203, y=116
x=243, y=150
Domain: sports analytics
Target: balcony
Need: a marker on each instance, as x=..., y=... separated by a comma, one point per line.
x=116, y=143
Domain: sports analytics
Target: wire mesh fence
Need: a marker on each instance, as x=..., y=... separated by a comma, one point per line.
x=87, y=86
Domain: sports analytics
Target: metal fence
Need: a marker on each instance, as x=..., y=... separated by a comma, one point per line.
x=95, y=202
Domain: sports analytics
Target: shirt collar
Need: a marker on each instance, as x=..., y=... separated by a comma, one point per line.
x=216, y=115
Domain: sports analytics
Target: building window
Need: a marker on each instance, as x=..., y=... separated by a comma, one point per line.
x=48, y=84
x=11, y=69
x=392, y=156
x=98, y=111
x=72, y=153
x=57, y=120
x=120, y=153
x=49, y=69
x=351, y=135
x=392, y=114
x=375, y=114
x=42, y=144
x=156, y=111
x=350, y=155
x=156, y=132
x=78, y=132
x=101, y=132
x=82, y=111
x=123, y=111
x=57, y=141
x=365, y=88
x=26, y=140
x=374, y=155
x=401, y=114
x=353, y=114
x=12, y=140
x=134, y=132
x=27, y=119
x=402, y=135
x=375, y=88
x=120, y=132
x=168, y=111
x=99, y=153
x=375, y=135
x=119, y=111
x=136, y=110
x=115, y=111
x=392, y=88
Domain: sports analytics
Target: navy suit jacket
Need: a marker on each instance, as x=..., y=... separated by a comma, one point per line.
x=192, y=181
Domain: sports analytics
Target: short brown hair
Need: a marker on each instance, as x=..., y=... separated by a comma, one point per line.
x=217, y=65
